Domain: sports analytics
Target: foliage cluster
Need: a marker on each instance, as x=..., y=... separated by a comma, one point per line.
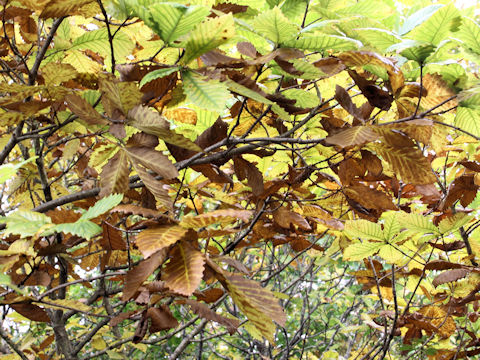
x=239, y=179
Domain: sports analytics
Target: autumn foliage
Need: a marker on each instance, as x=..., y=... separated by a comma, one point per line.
x=184, y=178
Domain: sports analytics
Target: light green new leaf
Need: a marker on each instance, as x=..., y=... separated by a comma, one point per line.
x=303, y=98
x=322, y=42
x=97, y=41
x=211, y=95
x=413, y=50
x=391, y=227
x=82, y=228
x=24, y=223
x=417, y=18
x=390, y=254
x=469, y=34
x=417, y=224
x=157, y=74
x=364, y=229
x=170, y=21
x=101, y=207
x=275, y=26
x=438, y=26
x=360, y=251
x=207, y=36
x=378, y=38
x=468, y=119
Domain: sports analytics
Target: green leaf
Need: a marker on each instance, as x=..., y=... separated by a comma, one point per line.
x=390, y=254
x=324, y=42
x=97, y=41
x=8, y=170
x=102, y=206
x=363, y=229
x=211, y=95
x=413, y=50
x=24, y=223
x=170, y=21
x=303, y=98
x=207, y=36
x=391, y=226
x=83, y=228
x=438, y=26
x=417, y=224
x=378, y=38
x=275, y=26
x=468, y=119
x=308, y=70
x=157, y=74
x=469, y=34
x=360, y=251
x=418, y=18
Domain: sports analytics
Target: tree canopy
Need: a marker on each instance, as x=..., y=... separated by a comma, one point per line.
x=279, y=179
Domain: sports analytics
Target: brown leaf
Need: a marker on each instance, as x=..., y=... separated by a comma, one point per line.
x=153, y=239
x=247, y=49
x=361, y=58
x=356, y=135
x=286, y=219
x=345, y=101
x=119, y=97
x=230, y=8
x=156, y=187
x=442, y=265
x=205, y=312
x=143, y=139
x=215, y=133
x=38, y=278
x=137, y=275
x=406, y=160
x=151, y=122
x=221, y=217
x=220, y=60
x=375, y=95
x=450, y=276
x=114, y=175
x=257, y=303
x=138, y=210
x=464, y=189
x=112, y=238
x=153, y=160
x=330, y=66
x=454, y=245
x=84, y=110
x=59, y=8
x=31, y=312
x=162, y=319
x=246, y=170
x=438, y=91
x=121, y=317
x=369, y=198
x=209, y=295
x=157, y=88
x=233, y=263
x=184, y=272
x=141, y=329
x=372, y=163
x=437, y=317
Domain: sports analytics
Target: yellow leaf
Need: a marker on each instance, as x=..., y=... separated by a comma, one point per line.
x=184, y=272
x=151, y=240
